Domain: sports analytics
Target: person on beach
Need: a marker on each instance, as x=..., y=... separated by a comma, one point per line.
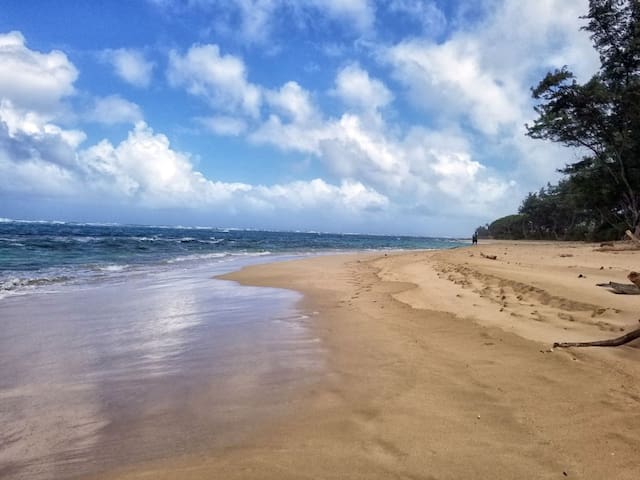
x=474, y=238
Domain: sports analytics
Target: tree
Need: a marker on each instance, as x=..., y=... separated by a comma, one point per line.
x=511, y=227
x=601, y=116
x=557, y=212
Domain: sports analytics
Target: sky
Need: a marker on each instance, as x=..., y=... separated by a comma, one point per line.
x=385, y=117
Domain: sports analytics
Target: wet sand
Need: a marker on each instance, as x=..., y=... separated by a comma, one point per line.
x=440, y=367
x=149, y=366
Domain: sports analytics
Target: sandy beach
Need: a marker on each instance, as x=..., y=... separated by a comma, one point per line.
x=440, y=366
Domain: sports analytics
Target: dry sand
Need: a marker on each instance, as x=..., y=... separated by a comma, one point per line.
x=440, y=367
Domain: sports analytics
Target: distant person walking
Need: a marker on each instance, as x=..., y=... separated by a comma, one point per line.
x=474, y=238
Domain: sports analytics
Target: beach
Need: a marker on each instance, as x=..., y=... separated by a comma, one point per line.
x=439, y=365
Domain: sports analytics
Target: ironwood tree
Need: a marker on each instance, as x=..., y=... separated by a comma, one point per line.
x=601, y=116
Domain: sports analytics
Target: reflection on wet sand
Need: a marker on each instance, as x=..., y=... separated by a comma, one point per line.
x=153, y=366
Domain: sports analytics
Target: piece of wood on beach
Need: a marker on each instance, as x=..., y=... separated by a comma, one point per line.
x=635, y=239
x=613, y=342
x=490, y=257
x=621, y=288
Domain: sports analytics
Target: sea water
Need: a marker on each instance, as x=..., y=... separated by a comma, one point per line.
x=36, y=254
x=118, y=346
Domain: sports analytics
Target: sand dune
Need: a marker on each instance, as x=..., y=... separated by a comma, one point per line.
x=439, y=366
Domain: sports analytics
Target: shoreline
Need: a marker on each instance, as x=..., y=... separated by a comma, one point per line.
x=439, y=366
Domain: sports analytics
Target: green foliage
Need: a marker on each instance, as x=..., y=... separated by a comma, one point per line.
x=602, y=118
x=509, y=227
x=600, y=195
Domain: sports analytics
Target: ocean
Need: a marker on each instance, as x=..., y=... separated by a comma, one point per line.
x=44, y=254
x=118, y=345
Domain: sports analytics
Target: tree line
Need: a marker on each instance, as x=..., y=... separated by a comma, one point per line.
x=599, y=196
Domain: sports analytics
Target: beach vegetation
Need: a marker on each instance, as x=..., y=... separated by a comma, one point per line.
x=599, y=195
x=509, y=227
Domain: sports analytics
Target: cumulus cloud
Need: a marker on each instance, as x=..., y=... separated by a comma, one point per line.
x=130, y=65
x=349, y=196
x=356, y=88
x=114, y=109
x=144, y=170
x=481, y=75
x=36, y=156
x=220, y=79
x=449, y=79
x=360, y=146
x=487, y=70
x=32, y=79
x=459, y=150
x=144, y=167
x=293, y=101
x=40, y=158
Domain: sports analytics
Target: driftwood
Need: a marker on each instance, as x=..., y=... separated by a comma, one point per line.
x=614, y=342
x=624, y=288
x=490, y=257
x=621, y=288
x=632, y=237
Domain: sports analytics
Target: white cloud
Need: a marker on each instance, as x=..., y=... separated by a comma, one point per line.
x=351, y=196
x=40, y=158
x=221, y=79
x=31, y=79
x=422, y=165
x=473, y=85
x=484, y=74
x=114, y=109
x=36, y=156
x=293, y=101
x=146, y=169
x=223, y=125
x=356, y=88
x=21, y=122
x=130, y=65
x=448, y=79
x=481, y=75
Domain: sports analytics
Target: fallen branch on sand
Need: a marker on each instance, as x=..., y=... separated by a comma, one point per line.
x=624, y=288
x=621, y=288
x=490, y=257
x=614, y=342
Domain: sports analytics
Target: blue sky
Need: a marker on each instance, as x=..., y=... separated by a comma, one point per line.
x=397, y=116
